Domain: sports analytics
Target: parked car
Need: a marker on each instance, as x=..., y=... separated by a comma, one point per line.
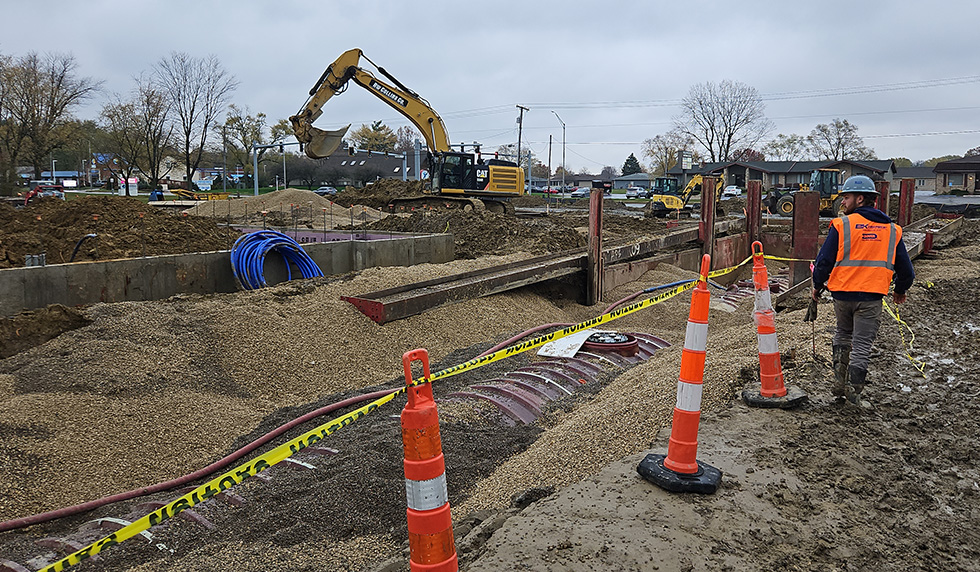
x=326, y=191
x=732, y=191
x=633, y=192
x=580, y=193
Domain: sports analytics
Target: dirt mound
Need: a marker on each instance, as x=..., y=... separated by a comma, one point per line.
x=484, y=233
x=33, y=328
x=286, y=208
x=126, y=228
x=919, y=212
x=378, y=194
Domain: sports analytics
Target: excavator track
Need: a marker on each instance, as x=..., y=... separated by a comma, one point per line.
x=438, y=203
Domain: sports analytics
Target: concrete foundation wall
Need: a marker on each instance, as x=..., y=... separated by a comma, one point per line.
x=159, y=277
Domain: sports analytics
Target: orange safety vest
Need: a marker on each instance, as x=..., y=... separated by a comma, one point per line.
x=865, y=255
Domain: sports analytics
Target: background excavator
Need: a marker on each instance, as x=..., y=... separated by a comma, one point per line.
x=824, y=181
x=458, y=179
x=667, y=198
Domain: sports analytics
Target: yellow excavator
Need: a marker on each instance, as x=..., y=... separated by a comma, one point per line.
x=824, y=181
x=459, y=179
x=668, y=199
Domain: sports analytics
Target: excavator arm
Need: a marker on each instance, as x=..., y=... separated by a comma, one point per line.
x=319, y=143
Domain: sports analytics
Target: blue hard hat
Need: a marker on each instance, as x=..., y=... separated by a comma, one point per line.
x=859, y=184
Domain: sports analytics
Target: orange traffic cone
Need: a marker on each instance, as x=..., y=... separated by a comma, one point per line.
x=772, y=391
x=430, y=524
x=679, y=470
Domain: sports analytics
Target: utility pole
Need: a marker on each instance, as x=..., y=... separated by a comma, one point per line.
x=520, y=128
x=224, y=161
x=549, y=164
x=562, y=151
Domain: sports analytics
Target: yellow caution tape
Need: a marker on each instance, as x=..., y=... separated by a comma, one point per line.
x=907, y=347
x=782, y=259
x=267, y=460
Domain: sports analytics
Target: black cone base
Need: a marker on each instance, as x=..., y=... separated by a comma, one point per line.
x=705, y=481
x=794, y=398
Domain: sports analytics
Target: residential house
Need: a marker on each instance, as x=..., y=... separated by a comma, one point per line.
x=958, y=174
x=782, y=174
x=925, y=178
x=634, y=180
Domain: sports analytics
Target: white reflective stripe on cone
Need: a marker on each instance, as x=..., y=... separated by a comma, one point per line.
x=767, y=344
x=763, y=300
x=696, y=338
x=427, y=495
x=688, y=396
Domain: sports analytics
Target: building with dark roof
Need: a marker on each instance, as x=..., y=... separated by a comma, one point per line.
x=958, y=174
x=925, y=177
x=784, y=173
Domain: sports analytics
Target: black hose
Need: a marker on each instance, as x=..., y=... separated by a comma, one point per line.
x=79, y=245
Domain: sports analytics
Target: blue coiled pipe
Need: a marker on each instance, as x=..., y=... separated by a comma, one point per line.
x=249, y=252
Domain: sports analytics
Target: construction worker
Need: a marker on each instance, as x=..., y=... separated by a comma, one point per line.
x=862, y=253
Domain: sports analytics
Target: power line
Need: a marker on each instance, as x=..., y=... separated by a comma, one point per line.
x=923, y=134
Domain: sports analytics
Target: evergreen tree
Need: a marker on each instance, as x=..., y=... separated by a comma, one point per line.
x=632, y=166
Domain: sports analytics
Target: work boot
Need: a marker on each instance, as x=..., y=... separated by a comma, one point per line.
x=857, y=378
x=842, y=357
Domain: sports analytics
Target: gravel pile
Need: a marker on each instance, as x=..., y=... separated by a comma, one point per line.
x=286, y=208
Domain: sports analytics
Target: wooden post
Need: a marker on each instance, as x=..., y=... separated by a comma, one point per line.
x=906, y=198
x=593, y=272
x=806, y=230
x=706, y=227
x=753, y=210
x=883, y=196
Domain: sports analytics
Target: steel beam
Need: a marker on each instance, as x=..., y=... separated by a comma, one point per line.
x=395, y=303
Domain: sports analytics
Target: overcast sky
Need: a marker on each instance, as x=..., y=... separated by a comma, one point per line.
x=905, y=72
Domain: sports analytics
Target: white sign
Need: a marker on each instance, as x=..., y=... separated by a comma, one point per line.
x=204, y=184
x=132, y=184
x=567, y=346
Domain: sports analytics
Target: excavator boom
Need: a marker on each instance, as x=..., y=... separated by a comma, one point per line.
x=320, y=143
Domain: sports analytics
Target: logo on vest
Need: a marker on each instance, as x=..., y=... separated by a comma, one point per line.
x=869, y=236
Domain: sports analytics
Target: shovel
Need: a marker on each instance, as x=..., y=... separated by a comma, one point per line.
x=811, y=316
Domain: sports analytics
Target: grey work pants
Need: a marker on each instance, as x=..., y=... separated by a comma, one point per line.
x=857, y=326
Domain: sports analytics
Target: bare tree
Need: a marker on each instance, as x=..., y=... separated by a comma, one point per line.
x=242, y=129
x=40, y=95
x=662, y=150
x=405, y=137
x=123, y=139
x=10, y=136
x=837, y=141
x=198, y=89
x=723, y=117
x=790, y=147
x=155, y=128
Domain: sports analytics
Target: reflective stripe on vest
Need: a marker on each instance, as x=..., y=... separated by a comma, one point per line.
x=862, y=264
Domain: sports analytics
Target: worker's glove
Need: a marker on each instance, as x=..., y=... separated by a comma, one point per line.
x=811, y=311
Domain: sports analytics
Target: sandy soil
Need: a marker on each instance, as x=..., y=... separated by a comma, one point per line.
x=147, y=392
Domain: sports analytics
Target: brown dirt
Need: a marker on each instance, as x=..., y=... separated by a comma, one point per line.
x=34, y=327
x=149, y=391
x=122, y=233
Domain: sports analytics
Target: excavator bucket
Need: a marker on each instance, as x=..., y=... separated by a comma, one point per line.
x=324, y=143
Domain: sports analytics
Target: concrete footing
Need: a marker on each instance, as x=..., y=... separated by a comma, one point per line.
x=159, y=277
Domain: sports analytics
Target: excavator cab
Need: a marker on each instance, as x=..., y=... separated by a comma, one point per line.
x=456, y=172
x=825, y=181
x=666, y=186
